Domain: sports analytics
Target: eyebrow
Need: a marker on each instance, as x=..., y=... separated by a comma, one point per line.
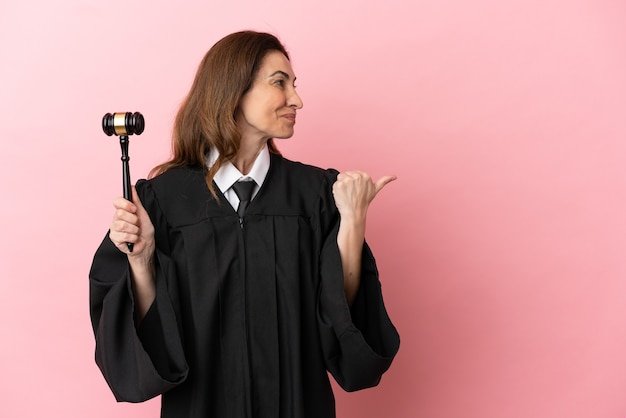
x=284, y=74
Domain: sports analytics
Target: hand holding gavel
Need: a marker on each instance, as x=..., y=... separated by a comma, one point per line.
x=123, y=124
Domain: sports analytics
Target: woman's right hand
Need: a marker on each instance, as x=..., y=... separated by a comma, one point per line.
x=131, y=223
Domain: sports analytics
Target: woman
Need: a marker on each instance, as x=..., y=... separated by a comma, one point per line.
x=231, y=314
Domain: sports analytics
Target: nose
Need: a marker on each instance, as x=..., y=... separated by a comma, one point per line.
x=294, y=100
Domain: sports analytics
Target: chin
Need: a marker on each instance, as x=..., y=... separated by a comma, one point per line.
x=284, y=135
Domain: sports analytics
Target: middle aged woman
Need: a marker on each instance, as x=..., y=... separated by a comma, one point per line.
x=232, y=305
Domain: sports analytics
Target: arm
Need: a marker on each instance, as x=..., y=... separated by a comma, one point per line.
x=131, y=223
x=138, y=360
x=358, y=339
x=353, y=192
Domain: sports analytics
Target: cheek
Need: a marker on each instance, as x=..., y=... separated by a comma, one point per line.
x=260, y=108
x=264, y=112
x=260, y=115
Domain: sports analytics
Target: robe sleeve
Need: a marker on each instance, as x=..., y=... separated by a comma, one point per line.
x=142, y=362
x=358, y=343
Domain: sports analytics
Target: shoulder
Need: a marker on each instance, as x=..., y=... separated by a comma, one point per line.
x=292, y=187
x=298, y=171
x=175, y=182
x=178, y=177
x=180, y=194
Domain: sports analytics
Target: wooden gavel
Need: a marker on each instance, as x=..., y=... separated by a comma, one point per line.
x=124, y=124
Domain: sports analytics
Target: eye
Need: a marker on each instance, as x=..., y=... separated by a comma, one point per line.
x=280, y=82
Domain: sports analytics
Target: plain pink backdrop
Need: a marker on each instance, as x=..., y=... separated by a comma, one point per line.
x=502, y=246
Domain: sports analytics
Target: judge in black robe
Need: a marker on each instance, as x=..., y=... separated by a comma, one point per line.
x=248, y=314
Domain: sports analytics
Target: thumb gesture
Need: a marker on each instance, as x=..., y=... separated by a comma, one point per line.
x=355, y=190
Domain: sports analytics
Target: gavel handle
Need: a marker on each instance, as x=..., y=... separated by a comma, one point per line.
x=126, y=176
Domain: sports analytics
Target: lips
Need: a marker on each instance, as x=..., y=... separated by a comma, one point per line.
x=290, y=116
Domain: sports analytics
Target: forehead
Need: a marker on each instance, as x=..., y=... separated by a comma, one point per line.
x=275, y=61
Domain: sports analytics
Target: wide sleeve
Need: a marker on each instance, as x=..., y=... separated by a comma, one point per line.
x=358, y=343
x=142, y=362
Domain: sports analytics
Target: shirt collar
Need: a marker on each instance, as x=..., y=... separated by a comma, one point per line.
x=228, y=174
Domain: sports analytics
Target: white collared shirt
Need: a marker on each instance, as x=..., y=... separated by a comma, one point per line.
x=228, y=174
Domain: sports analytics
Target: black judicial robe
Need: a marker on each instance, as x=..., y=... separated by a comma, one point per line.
x=246, y=321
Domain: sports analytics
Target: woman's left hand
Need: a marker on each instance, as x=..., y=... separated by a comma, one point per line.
x=354, y=191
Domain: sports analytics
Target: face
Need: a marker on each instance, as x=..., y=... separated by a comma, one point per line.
x=268, y=109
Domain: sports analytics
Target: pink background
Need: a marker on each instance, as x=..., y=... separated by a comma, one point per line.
x=502, y=246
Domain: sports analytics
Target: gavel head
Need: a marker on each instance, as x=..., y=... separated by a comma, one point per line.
x=123, y=123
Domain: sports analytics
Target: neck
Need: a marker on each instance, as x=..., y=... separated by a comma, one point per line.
x=248, y=152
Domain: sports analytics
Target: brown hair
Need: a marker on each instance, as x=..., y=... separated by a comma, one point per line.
x=207, y=116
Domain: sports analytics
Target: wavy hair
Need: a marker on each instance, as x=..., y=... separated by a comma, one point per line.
x=206, y=117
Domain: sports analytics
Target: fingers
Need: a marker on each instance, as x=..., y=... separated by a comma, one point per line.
x=136, y=199
x=354, y=191
x=354, y=177
x=131, y=224
x=125, y=205
x=125, y=226
x=383, y=181
x=363, y=179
